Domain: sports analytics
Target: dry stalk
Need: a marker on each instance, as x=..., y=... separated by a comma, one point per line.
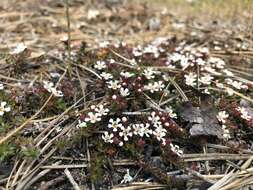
x=71, y=179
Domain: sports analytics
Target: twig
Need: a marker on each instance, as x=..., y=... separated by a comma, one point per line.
x=10, y=176
x=64, y=166
x=47, y=185
x=28, y=177
x=83, y=86
x=180, y=91
x=214, y=156
x=125, y=59
x=38, y=176
x=71, y=179
x=69, y=38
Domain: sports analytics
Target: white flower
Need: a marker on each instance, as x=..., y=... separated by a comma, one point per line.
x=220, y=85
x=175, y=57
x=133, y=62
x=81, y=124
x=112, y=61
x=108, y=138
x=104, y=44
x=244, y=113
x=226, y=132
x=137, y=52
x=160, y=40
x=200, y=61
x=176, y=149
x=146, y=130
x=190, y=79
x=222, y=116
x=92, y=14
x=152, y=49
x=230, y=91
x=160, y=133
x=127, y=178
x=19, y=49
x=125, y=132
x=102, y=110
x=206, y=91
x=57, y=93
x=178, y=25
x=106, y=76
x=114, y=97
x=142, y=129
x=1, y=86
x=115, y=124
x=49, y=86
x=100, y=65
x=184, y=61
x=113, y=84
x=124, y=92
x=211, y=70
x=219, y=63
x=4, y=108
x=203, y=50
x=93, y=117
x=138, y=129
x=170, y=112
x=169, y=65
x=217, y=48
x=55, y=75
x=149, y=73
x=155, y=119
x=165, y=78
x=126, y=74
x=64, y=38
x=207, y=79
x=237, y=84
x=227, y=72
x=124, y=119
x=154, y=87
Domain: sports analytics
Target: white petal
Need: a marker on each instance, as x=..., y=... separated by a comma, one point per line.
x=7, y=109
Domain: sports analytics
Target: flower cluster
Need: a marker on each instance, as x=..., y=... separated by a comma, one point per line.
x=244, y=113
x=94, y=115
x=155, y=86
x=143, y=73
x=236, y=84
x=119, y=130
x=222, y=117
x=150, y=73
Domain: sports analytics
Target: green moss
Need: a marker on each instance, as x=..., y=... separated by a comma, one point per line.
x=96, y=169
x=4, y=127
x=131, y=149
x=30, y=152
x=6, y=151
x=60, y=104
x=62, y=144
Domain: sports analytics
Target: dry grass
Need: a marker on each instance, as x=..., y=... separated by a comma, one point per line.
x=227, y=10
x=221, y=8
x=234, y=13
